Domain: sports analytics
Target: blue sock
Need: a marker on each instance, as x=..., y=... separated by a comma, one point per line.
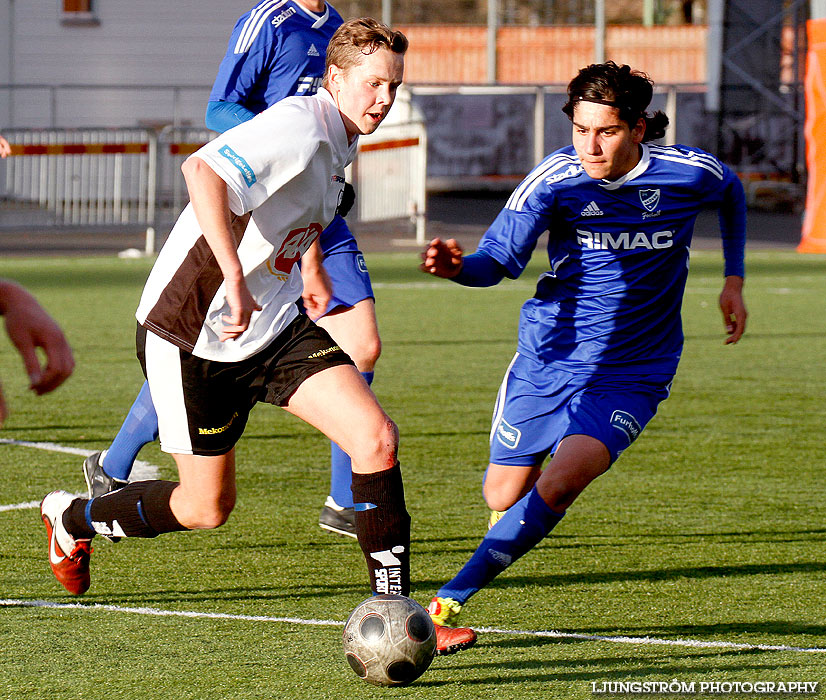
x=524, y=526
x=340, y=470
x=139, y=428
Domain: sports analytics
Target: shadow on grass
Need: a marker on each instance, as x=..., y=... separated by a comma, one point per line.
x=256, y=596
x=653, y=575
x=596, y=669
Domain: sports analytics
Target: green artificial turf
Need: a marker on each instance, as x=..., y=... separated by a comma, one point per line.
x=700, y=548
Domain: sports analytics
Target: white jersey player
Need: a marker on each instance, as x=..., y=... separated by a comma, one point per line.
x=222, y=333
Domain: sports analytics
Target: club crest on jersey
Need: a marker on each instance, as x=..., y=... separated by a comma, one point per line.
x=508, y=435
x=650, y=199
x=621, y=420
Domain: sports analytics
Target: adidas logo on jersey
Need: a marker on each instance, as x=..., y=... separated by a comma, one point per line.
x=591, y=209
x=313, y=51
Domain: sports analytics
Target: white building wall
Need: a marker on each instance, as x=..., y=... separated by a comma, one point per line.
x=135, y=43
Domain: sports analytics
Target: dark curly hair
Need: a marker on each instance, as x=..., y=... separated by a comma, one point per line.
x=628, y=90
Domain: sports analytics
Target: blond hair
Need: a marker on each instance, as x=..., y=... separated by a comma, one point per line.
x=360, y=37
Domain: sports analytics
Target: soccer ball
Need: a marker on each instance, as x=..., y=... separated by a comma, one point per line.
x=389, y=640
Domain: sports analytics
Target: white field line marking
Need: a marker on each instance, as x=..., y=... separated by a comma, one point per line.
x=22, y=506
x=693, y=643
x=142, y=470
x=164, y=613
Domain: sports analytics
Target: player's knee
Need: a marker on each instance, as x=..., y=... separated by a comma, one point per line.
x=388, y=442
x=209, y=519
x=379, y=448
x=499, y=498
x=367, y=354
x=504, y=486
x=208, y=515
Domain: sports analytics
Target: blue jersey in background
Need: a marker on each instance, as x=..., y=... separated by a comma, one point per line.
x=276, y=50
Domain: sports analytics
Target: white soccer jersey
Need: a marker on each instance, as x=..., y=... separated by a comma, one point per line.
x=286, y=166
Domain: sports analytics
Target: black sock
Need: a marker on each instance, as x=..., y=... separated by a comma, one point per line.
x=140, y=509
x=383, y=529
x=74, y=520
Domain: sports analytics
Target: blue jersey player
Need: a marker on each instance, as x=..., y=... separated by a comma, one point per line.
x=276, y=50
x=600, y=340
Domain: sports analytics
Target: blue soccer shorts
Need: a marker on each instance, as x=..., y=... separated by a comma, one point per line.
x=350, y=279
x=345, y=266
x=538, y=405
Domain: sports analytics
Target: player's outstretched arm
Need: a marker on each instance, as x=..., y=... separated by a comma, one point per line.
x=208, y=194
x=733, y=308
x=318, y=291
x=442, y=258
x=29, y=327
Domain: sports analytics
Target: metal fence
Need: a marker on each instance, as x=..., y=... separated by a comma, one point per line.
x=83, y=176
x=175, y=145
x=390, y=175
x=111, y=179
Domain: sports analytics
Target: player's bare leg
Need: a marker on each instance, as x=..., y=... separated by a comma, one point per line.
x=338, y=402
x=205, y=496
x=355, y=330
x=505, y=485
x=578, y=460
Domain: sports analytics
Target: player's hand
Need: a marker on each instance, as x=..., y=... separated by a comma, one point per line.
x=318, y=290
x=733, y=308
x=442, y=258
x=5, y=148
x=241, y=307
x=29, y=327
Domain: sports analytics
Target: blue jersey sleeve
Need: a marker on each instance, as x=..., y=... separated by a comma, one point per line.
x=732, y=215
x=221, y=116
x=512, y=236
x=245, y=68
x=480, y=270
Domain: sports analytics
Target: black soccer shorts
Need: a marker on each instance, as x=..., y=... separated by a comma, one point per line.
x=203, y=405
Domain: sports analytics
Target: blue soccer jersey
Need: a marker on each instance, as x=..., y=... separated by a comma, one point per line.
x=618, y=253
x=276, y=50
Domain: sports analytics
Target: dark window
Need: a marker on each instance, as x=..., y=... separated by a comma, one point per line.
x=79, y=13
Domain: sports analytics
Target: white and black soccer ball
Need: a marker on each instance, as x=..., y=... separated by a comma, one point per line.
x=389, y=640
